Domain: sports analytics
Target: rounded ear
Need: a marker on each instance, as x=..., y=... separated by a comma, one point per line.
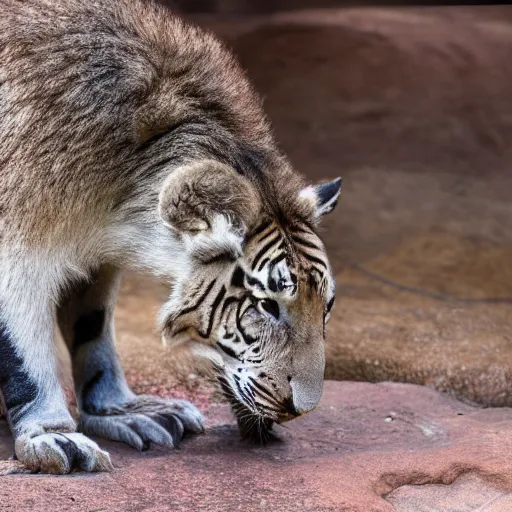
x=323, y=197
x=210, y=205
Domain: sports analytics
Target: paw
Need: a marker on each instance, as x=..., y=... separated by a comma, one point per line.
x=61, y=453
x=146, y=420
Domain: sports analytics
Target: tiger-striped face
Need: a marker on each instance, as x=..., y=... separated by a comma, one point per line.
x=271, y=335
x=265, y=313
x=259, y=314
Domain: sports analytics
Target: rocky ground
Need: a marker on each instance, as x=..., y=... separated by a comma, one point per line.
x=366, y=448
x=413, y=108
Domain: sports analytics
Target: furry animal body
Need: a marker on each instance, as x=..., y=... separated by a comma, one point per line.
x=129, y=139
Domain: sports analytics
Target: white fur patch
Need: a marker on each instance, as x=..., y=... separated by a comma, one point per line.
x=206, y=352
x=45, y=453
x=222, y=238
x=308, y=194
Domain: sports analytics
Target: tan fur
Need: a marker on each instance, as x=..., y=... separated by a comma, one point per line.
x=80, y=97
x=129, y=139
x=193, y=194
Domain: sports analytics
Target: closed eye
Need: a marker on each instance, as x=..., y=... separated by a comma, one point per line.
x=328, y=308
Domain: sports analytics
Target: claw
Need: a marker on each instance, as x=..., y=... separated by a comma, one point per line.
x=146, y=420
x=59, y=453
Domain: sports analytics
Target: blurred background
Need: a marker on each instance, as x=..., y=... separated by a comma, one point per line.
x=223, y=7
x=413, y=107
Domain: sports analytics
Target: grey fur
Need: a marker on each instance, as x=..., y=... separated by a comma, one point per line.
x=118, y=122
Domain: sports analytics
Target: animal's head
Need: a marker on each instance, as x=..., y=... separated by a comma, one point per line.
x=258, y=289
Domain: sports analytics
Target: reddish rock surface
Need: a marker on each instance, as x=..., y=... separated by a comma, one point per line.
x=366, y=448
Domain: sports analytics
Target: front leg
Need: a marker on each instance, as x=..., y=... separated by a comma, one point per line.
x=108, y=408
x=43, y=429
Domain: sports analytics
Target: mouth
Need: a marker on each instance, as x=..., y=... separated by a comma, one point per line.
x=284, y=417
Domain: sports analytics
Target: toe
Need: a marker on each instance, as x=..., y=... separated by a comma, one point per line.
x=171, y=423
x=114, y=428
x=146, y=420
x=50, y=457
x=40, y=453
x=151, y=431
x=82, y=453
x=60, y=454
x=119, y=431
x=191, y=417
x=102, y=462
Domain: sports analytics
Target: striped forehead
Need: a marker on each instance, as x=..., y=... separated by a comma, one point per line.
x=266, y=244
x=312, y=259
x=276, y=257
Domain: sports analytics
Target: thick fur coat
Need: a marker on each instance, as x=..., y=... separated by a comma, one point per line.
x=129, y=139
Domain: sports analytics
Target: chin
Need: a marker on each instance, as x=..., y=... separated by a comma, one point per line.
x=252, y=426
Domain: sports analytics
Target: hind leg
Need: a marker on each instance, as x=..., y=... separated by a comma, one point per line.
x=108, y=408
x=43, y=429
